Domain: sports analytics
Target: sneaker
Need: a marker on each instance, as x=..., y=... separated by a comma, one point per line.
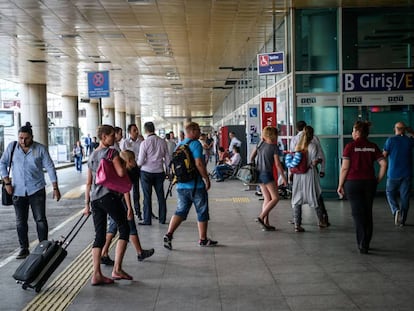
x=207, y=242
x=106, y=260
x=299, y=229
x=167, y=241
x=24, y=252
x=145, y=254
x=397, y=218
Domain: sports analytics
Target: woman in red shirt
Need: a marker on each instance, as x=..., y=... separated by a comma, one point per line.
x=358, y=182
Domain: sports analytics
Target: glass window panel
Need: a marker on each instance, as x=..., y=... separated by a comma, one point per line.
x=382, y=118
x=317, y=83
x=324, y=120
x=377, y=38
x=316, y=40
x=330, y=148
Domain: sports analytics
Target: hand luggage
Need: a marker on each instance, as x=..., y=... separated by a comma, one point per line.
x=36, y=269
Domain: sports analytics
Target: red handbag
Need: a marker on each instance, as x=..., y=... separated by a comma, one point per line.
x=107, y=176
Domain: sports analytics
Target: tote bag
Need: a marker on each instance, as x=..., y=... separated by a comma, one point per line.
x=107, y=176
x=247, y=174
x=6, y=198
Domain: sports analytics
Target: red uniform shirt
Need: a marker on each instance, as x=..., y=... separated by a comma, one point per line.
x=362, y=155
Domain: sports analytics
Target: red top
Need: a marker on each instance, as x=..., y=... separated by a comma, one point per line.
x=362, y=155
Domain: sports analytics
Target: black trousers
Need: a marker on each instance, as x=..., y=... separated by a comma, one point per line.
x=360, y=194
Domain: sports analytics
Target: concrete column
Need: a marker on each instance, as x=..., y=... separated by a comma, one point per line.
x=108, y=116
x=129, y=119
x=120, y=119
x=70, y=113
x=92, y=117
x=138, y=122
x=34, y=110
x=119, y=103
x=108, y=110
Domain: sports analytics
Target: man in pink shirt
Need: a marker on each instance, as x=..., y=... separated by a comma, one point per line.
x=153, y=159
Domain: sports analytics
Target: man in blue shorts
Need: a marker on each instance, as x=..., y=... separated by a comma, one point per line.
x=192, y=192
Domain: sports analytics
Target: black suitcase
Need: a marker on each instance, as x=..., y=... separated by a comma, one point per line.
x=36, y=269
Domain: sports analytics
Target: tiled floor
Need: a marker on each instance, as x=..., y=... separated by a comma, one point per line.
x=255, y=270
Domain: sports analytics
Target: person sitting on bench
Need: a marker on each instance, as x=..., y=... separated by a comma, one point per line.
x=222, y=155
x=227, y=169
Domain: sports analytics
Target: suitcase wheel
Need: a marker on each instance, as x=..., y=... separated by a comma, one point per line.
x=24, y=286
x=37, y=289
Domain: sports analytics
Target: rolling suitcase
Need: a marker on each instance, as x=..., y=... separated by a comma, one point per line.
x=36, y=269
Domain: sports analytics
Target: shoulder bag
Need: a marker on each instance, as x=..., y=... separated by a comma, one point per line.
x=107, y=176
x=247, y=174
x=6, y=198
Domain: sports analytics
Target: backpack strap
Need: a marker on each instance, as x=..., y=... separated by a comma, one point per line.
x=197, y=172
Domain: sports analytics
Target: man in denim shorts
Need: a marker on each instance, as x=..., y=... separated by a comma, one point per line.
x=192, y=192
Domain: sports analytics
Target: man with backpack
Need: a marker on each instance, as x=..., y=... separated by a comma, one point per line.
x=192, y=186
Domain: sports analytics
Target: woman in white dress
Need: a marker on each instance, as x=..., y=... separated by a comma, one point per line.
x=306, y=188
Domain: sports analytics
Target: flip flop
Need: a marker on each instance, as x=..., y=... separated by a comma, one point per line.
x=123, y=276
x=266, y=227
x=104, y=281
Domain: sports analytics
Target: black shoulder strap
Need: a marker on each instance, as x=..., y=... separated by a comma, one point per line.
x=11, y=157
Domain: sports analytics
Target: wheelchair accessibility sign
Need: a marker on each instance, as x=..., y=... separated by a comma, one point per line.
x=268, y=107
x=253, y=112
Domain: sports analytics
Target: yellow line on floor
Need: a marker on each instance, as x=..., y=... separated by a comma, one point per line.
x=234, y=200
x=65, y=287
x=75, y=192
x=241, y=200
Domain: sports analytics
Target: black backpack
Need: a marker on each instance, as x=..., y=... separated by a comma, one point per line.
x=182, y=165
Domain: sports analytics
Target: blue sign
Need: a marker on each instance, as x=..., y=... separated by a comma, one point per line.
x=253, y=112
x=378, y=81
x=98, y=84
x=270, y=63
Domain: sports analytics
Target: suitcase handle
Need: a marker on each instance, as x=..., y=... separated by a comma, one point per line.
x=74, y=231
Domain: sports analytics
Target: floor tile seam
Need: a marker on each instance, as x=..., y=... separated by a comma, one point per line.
x=257, y=248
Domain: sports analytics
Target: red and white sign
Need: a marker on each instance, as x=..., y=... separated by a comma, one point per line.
x=268, y=112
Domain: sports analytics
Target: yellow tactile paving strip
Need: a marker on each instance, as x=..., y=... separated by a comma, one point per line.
x=234, y=200
x=63, y=289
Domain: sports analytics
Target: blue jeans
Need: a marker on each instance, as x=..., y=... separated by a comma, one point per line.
x=223, y=171
x=156, y=180
x=37, y=202
x=113, y=228
x=399, y=187
x=186, y=198
x=78, y=163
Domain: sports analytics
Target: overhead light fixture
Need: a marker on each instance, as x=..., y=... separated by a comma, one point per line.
x=69, y=36
x=140, y=1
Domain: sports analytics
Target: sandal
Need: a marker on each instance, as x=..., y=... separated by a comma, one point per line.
x=122, y=276
x=265, y=226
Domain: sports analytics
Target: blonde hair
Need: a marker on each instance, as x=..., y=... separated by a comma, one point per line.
x=127, y=156
x=305, y=139
x=271, y=133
